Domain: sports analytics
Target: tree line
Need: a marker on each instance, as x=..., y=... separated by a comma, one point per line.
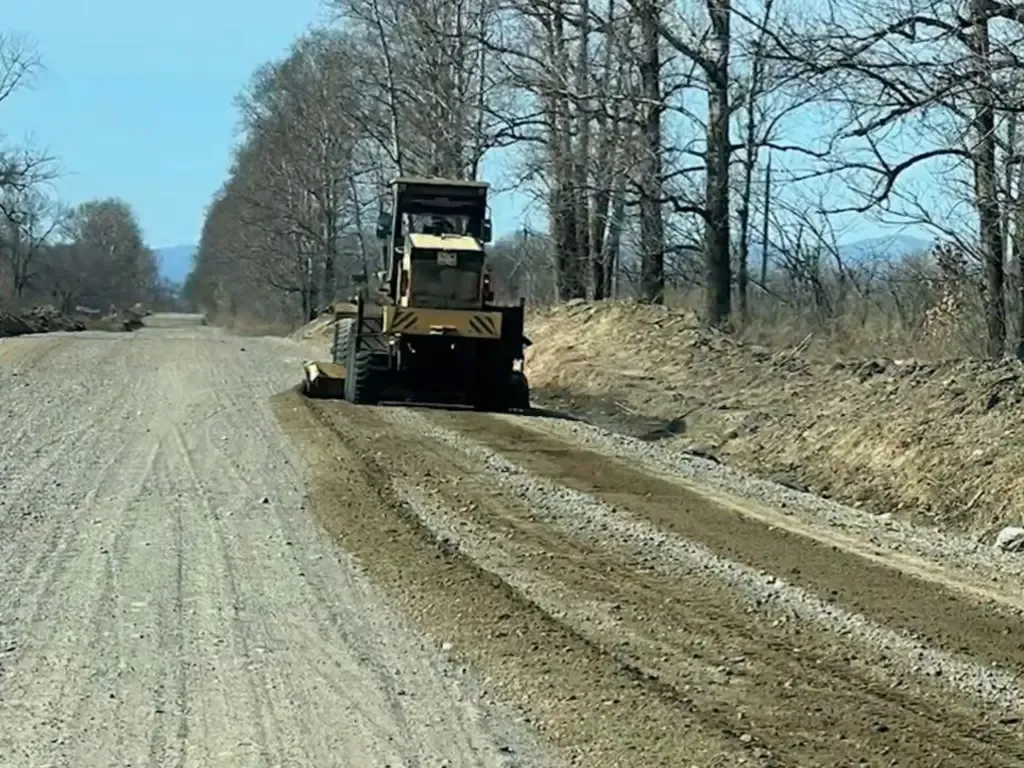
x=90, y=256
x=668, y=150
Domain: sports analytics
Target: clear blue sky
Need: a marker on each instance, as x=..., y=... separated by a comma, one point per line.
x=136, y=97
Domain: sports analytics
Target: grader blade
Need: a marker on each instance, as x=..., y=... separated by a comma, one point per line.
x=323, y=380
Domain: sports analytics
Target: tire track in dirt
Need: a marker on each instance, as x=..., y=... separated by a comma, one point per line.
x=71, y=607
x=19, y=354
x=368, y=667
x=208, y=577
x=74, y=649
x=830, y=697
x=24, y=426
x=596, y=711
x=69, y=458
x=228, y=406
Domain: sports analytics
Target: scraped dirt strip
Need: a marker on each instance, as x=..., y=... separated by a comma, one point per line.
x=932, y=607
x=954, y=559
x=787, y=692
x=679, y=557
x=593, y=710
x=820, y=632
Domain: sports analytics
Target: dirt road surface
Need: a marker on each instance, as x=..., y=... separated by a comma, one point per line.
x=201, y=567
x=166, y=598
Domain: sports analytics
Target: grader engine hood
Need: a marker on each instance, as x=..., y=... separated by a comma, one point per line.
x=440, y=243
x=442, y=272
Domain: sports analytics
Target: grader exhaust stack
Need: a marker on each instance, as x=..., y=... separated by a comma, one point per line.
x=432, y=333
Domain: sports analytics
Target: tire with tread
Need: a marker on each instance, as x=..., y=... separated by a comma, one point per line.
x=514, y=395
x=363, y=390
x=360, y=377
x=518, y=396
x=339, y=347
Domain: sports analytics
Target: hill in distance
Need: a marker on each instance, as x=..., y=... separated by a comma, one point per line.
x=890, y=247
x=175, y=262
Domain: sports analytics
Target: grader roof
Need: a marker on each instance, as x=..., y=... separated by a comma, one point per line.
x=439, y=182
x=444, y=242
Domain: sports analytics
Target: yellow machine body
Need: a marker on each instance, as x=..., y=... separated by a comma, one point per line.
x=430, y=331
x=429, y=322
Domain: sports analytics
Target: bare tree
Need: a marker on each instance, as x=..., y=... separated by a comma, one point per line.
x=30, y=220
x=21, y=168
x=123, y=269
x=919, y=87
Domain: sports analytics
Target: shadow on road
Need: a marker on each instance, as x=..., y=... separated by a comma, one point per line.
x=533, y=411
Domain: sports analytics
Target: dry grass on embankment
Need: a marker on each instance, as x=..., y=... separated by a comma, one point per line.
x=940, y=442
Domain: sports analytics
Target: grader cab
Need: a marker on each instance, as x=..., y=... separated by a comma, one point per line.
x=430, y=332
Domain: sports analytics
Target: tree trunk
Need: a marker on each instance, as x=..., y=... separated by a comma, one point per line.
x=717, y=254
x=614, y=238
x=581, y=156
x=330, y=243
x=986, y=196
x=1018, y=252
x=652, y=225
x=767, y=220
x=562, y=205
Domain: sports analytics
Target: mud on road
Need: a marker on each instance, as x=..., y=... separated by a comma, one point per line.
x=639, y=616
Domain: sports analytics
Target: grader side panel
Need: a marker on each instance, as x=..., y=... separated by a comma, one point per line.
x=429, y=322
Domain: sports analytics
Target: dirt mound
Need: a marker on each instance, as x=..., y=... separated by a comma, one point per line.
x=942, y=442
x=46, y=319
x=41, y=319
x=316, y=330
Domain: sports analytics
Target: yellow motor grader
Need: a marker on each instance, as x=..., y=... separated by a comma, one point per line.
x=432, y=332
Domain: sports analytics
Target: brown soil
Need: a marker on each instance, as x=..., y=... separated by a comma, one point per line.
x=940, y=442
x=619, y=665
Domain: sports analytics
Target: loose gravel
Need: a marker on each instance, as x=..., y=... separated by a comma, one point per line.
x=166, y=596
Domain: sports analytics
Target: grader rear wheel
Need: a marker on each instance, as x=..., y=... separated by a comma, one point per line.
x=339, y=346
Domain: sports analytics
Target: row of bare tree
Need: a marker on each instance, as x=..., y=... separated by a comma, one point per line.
x=91, y=255
x=722, y=146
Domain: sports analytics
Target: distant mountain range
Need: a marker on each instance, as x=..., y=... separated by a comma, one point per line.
x=886, y=246
x=889, y=247
x=175, y=262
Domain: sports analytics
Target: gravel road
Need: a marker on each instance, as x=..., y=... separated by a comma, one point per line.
x=200, y=567
x=165, y=596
